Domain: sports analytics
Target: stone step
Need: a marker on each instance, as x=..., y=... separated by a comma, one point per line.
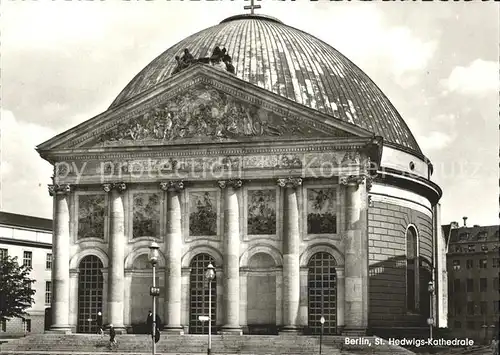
x=191, y=344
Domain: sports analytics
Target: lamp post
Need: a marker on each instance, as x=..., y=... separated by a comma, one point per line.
x=430, y=320
x=154, y=291
x=210, y=276
x=322, y=321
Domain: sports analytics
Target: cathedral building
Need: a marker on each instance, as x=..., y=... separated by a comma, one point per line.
x=258, y=148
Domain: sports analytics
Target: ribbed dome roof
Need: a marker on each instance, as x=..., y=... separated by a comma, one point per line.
x=290, y=63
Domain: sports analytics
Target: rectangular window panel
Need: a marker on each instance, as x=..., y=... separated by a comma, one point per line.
x=483, y=307
x=146, y=215
x=470, y=264
x=3, y=253
x=456, y=285
x=48, y=261
x=483, y=284
x=470, y=308
x=456, y=265
x=203, y=213
x=496, y=262
x=91, y=212
x=261, y=212
x=27, y=258
x=483, y=263
x=470, y=285
x=321, y=211
x=48, y=292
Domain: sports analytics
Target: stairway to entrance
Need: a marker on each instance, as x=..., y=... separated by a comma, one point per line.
x=196, y=344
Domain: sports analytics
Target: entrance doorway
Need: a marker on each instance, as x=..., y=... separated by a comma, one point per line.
x=198, y=292
x=322, y=292
x=90, y=286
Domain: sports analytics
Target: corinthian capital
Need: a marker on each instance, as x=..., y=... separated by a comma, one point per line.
x=119, y=186
x=234, y=183
x=57, y=189
x=290, y=182
x=172, y=185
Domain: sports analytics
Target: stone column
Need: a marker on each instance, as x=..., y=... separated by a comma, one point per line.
x=340, y=297
x=73, y=301
x=231, y=265
x=173, y=267
x=60, y=257
x=356, y=256
x=116, y=272
x=291, y=242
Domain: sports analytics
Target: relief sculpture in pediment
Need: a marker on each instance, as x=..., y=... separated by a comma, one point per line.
x=205, y=113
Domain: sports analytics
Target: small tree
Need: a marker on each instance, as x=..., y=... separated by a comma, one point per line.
x=16, y=293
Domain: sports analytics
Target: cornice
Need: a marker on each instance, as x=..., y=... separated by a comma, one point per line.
x=194, y=150
x=426, y=188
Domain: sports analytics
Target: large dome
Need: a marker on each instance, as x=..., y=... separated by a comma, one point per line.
x=290, y=63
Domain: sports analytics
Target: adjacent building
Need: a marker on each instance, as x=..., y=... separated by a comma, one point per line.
x=258, y=148
x=30, y=239
x=473, y=270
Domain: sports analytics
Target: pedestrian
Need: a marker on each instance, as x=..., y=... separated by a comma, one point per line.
x=149, y=324
x=112, y=336
x=494, y=346
x=99, y=324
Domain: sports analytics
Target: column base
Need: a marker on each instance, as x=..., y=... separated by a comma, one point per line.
x=354, y=331
x=59, y=329
x=179, y=330
x=232, y=330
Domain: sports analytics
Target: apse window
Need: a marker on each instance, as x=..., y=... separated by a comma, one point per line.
x=321, y=211
x=411, y=270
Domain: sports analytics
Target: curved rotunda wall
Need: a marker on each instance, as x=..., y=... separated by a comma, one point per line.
x=389, y=218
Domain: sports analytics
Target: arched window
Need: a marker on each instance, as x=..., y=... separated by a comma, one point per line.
x=411, y=270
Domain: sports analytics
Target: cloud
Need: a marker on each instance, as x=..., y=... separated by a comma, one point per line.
x=434, y=140
x=24, y=173
x=376, y=42
x=479, y=78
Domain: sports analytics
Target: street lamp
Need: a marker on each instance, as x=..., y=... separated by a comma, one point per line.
x=210, y=276
x=322, y=321
x=430, y=320
x=154, y=291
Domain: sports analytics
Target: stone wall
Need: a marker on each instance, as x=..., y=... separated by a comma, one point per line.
x=387, y=224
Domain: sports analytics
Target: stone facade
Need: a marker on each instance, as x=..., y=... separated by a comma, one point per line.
x=268, y=202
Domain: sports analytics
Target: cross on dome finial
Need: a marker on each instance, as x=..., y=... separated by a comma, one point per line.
x=252, y=7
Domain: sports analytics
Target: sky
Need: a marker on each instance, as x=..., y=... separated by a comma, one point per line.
x=63, y=62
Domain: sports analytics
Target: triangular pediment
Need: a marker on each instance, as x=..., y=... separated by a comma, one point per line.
x=202, y=108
